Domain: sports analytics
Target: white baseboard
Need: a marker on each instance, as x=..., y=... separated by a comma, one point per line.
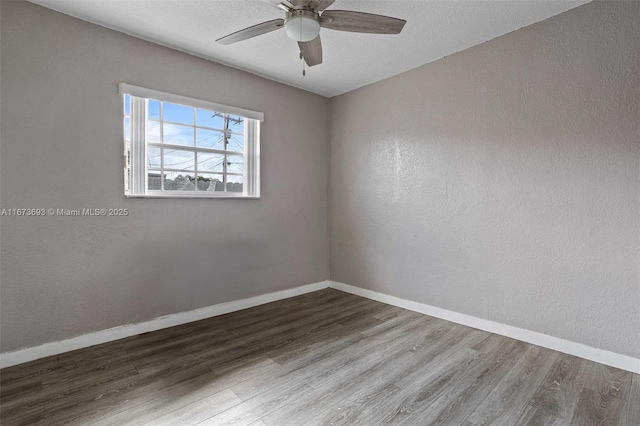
x=612, y=359
x=20, y=356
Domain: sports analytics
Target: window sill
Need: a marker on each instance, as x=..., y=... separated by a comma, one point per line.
x=201, y=196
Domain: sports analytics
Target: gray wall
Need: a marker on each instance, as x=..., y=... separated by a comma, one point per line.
x=503, y=181
x=62, y=148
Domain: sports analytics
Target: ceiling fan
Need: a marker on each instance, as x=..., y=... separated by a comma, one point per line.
x=304, y=18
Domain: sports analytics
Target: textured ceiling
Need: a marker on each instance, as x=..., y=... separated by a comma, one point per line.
x=434, y=29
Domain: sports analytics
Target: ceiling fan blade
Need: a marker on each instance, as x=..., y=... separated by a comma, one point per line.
x=311, y=51
x=359, y=22
x=322, y=5
x=276, y=3
x=256, y=30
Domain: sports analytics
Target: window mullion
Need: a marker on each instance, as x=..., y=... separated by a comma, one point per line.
x=195, y=155
x=161, y=116
x=190, y=148
x=225, y=136
x=246, y=157
x=252, y=158
x=138, y=146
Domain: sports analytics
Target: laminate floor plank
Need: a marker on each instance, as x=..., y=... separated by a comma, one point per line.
x=260, y=406
x=631, y=410
x=508, y=400
x=597, y=408
x=389, y=312
x=310, y=343
x=295, y=371
x=18, y=388
x=298, y=369
x=426, y=389
x=316, y=370
x=333, y=385
x=470, y=391
x=154, y=405
x=425, y=356
x=608, y=380
x=370, y=360
x=283, y=316
x=90, y=363
x=180, y=352
x=556, y=398
x=469, y=385
x=535, y=416
x=198, y=411
x=31, y=415
x=83, y=360
x=250, y=345
x=401, y=318
x=82, y=386
x=273, y=309
x=603, y=397
x=348, y=335
x=280, y=316
x=201, y=329
x=317, y=359
x=107, y=400
x=355, y=405
x=272, y=344
x=391, y=366
x=303, y=409
x=27, y=370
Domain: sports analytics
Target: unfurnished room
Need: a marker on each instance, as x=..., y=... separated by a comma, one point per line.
x=320, y=212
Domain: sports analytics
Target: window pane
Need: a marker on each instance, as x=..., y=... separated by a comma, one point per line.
x=154, y=180
x=177, y=134
x=210, y=182
x=178, y=159
x=235, y=183
x=177, y=113
x=127, y=128
x=208, y=118
x=236, y=123
x=153, y=157
x=235, y=143
x=176, y=181
x=210, y=162
x=154, y=109
x=127, y=104
x=153, y=131
x=209, y=139
x=235, y=164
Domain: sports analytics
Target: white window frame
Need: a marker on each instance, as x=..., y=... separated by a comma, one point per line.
x=136, y=145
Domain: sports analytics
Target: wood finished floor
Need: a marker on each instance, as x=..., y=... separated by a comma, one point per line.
x=324, y=358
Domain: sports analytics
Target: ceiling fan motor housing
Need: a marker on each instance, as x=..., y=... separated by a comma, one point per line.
x=302, y=25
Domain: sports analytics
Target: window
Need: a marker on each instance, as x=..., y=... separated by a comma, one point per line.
x=181, y=147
